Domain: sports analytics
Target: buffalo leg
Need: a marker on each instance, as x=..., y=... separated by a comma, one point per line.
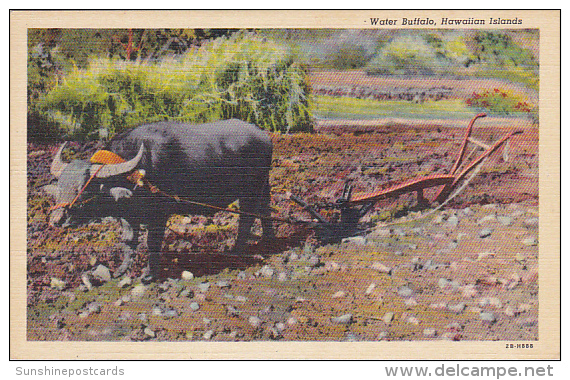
x=265, y=210
x=154, y=243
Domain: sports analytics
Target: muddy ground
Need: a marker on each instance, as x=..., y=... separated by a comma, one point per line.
x=468, y=271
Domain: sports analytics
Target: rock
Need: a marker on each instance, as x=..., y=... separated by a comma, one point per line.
x=530, y=241
x=429, y=333
x=438, y=219
x=254, y=321
x=531, y=222
x=410, y=302
x=467, y=211
x=405, y=291
x=156, y=311
x=381, y=267
x=332, y=266
x=370, y=289
x=453, y=221
x=357, y=240
x=282, y=277
x=454, y=326
x=484, y=255
x=208, y=334
x=487, y=219
x=487, y=317
x=468, y=291
x=490, y=301
x=86, y=279
x=505, y=220
x=102, y=273
x=241, y=299
x=187, y=293
x=388, y=317
x=170, y=313
x=485, y=232
x=266, y=271
x=509, y=312
x=457, y=309
x=223, y=284
x=291, y=321
x=314, y=260
x=94, y=308
x=148, y=332
x=194, y=306
x=127, y=281
x=187, y=276
x=138, y=292
x=58, y=284
x=339, y=294
x=413, y=320
x=344, y=319
x=203, y=287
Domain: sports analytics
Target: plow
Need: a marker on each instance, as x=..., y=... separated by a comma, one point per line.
x=353, y=207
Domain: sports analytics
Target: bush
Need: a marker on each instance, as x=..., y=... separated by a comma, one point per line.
x=405, y=55
x=241, y=77
x=502, y=102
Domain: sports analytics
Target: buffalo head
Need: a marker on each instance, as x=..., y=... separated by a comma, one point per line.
x=81, y=180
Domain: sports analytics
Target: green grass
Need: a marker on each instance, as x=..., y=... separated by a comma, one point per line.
x=328, y=107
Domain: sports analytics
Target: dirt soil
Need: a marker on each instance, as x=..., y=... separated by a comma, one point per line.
x=466, y=272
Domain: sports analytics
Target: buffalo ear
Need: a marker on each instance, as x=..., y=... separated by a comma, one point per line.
x=51, y=190
x=120, y=193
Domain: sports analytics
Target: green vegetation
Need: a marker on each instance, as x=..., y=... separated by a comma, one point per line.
x=351, y=108
x=237, y=77
x=502, y=102
x=82, y=82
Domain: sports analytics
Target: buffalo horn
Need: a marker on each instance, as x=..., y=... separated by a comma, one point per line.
x=116, y=169
x=57, y=166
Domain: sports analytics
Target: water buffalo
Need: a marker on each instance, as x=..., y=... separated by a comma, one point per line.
x=214, y=163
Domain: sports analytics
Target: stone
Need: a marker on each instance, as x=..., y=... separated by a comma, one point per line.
x=266, y=271
x=381, y=267
x=148, y=332
x=357, y=240
x=102, y=273
x=339, y=294
x=203, y=287
x=458, y=308
x=127, y=281
x=194, y=306
x=138, y=292
x=453, y=221
x=530, y=241
x=187, y=276
x=485, y=232
x=208, y=335
x=58, y=284
x=405, y=291
x=505, y=220
x=484, y=255
x=254, y=321
x=487, y=317
x=388, y=317
x=429, y=333
x=370, y=289
x=223, y=284
x=344, y=319
x=487, y=219
x=531, y=222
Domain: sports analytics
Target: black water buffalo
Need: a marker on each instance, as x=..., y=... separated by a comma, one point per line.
x=215, y=163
